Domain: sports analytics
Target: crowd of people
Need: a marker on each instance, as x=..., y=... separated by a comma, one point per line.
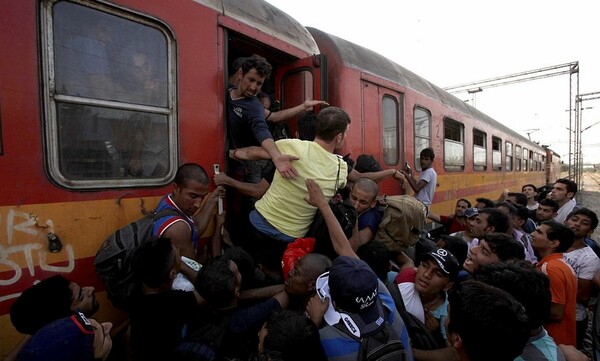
x=510, y=279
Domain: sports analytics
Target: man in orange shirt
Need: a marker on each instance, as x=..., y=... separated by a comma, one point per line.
x=550, y=240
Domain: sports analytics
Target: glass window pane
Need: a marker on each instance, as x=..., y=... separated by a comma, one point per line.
x=104, y=143
x=390, y=130
x=454, y=155
x=496, y=154
x=422, y=133
x=98, y=55
x=454, y=148
x=111, y=120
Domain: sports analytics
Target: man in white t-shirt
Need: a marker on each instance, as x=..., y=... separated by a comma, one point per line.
x=563, y=192
x=424, y=187
x=584, y=262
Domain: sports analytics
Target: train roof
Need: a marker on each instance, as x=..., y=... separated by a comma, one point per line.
x=363, y=59
x=266, y=18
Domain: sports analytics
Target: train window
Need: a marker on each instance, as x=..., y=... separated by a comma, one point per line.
x=389, y=115
x=517, y=157
x=531, y=164
x=454, y=145
x=509, y=157
x=422, y=132
x=496, y=153
x=525, y=160
x=479, y=150
x=110, y=114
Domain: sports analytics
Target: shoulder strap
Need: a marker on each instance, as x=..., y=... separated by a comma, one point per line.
x=396, y=296
x=166, y=212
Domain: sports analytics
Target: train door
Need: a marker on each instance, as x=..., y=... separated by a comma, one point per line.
x=381, y=124
x=300, y=80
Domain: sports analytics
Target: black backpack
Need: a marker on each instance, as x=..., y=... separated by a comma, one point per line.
x=113, y=260
x=420, y=336
x=384, y=345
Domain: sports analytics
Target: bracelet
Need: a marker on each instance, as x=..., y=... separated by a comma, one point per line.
x=234, y=154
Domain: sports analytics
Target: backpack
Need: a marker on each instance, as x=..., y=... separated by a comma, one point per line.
x=279, y=130
x=421, y=337
x=113, y=261
x=346, y=216
x=384, y=345
x=402, y=223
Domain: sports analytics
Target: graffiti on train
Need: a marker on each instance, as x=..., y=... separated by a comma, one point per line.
x=35, y=252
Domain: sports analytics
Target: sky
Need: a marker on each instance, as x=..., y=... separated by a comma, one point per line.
x=461, y=41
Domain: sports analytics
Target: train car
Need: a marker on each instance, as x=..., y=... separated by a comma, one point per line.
x=396, y=113
x=101, y=100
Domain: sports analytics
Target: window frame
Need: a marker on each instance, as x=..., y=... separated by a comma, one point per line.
x=395, y=131
x=479, y=147
x=509, y=165
x=52, y=99
x=457, y=140
x=427, y=138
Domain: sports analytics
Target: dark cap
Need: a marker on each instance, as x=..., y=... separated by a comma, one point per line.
x=66, y=339
x=446, y=261
x=354, y=289
x=471, y=212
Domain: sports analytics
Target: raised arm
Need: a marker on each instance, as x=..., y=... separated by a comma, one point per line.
x=291, y=112
x=254, y=190
x=316, y=198
x=355, y=175
x=283, y=162
x=249, y=153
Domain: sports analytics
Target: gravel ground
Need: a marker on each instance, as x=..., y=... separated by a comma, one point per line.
x=589, y=197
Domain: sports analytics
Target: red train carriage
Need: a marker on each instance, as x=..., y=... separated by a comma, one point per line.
x=101, y=100
x=396, y=114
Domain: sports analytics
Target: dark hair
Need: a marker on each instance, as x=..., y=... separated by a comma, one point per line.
x=480, y=328
x=315, y=264
x=525, y=283
x=586, y=212
x=488, y=202
x=307, y=124
x=293, y=336
x=561, y=233
x=427, y=153
x=377, y=256
x=571, y=186
x=522, y=212
x=367, y=185
x=464, y=200
x=367, y=163
x=237, y=64
x=512, y=210
x=496, y=219
x=191, y=171
x=153, y=261
x=260, y=64
x=550, y=203
x=245, y=264
x=331, y=121
x=42, y=304
x=520, y=198
x=529, y=185
x=504, y=246
x=216, y=282
x=457, y=246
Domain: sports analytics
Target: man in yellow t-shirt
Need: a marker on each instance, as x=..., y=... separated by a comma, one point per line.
x=282, y=213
